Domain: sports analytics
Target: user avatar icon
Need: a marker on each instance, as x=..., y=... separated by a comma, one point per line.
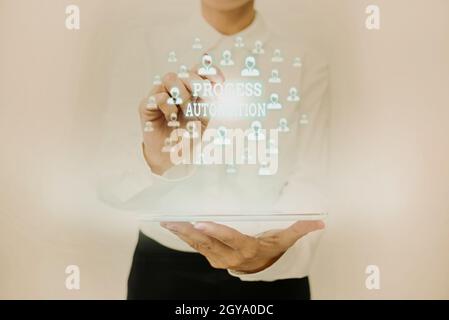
x=222, y=136
x=265, y=169
x=172, y=57
x=293, y=95
x=175, y=99
x=151, y=103
x=256, y=133
x=250, y=69
x=274, y=76
x=157, y=80
x=239, y=42
x=183, y=72
x=197, y=44
x=297, y=62
x=304, y=119
x=258, y=48
x=173, y=123
x=168, y=145
x=148, y=127
x=192, y=131
x=277, y=56
x=272, y=147
x=283, y=125
x=207, y=69
x=231, y=168
x=227, y=59
x=274, y=102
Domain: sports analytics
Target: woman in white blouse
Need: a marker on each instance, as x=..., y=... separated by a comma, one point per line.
x=257, y=260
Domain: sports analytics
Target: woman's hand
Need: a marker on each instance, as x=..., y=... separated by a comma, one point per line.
x=155, y=112
x=226, y=248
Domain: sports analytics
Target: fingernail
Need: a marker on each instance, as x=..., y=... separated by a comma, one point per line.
x=199, y=226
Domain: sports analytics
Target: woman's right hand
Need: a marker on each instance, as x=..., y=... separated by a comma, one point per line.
x=156, y=115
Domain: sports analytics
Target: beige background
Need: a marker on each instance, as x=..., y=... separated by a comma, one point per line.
x=390, y=146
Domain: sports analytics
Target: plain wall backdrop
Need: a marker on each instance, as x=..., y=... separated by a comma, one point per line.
x=389, y=157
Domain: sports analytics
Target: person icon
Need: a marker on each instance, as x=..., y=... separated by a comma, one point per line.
x=258, y=47
x=168, y=145
x=274, y=76
x=239, y=42
x=148, y=127
x=265, y=169
x=283, y=125
x=183, y=73
x=157, y=80
x=297, y=62
x=256, y=133
x=175, y=99
x=172, y=57
x=227, y=59
x=192, y=132
x=293, y=95
x=173, y=123
x=207, y=69
x=222, y=136
x=231, y=168
x=304, y=120
x=151, y=104
x=250, y=69
x=277, y=56
x=197, y=44
x=274, y=102
x=272, y=147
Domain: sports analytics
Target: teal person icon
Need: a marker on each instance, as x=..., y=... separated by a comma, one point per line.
x=304, y=120
x=297, y=62
x=192, y=131
x=274, y=102
x=256, y=132
x=173, y=123
x=283, y=125
x=227, y=59
x=293, y=95
x=151, y=103
x=239, y=42
x=175, y=98
x=148, y=127
x=157, y=80
x=265, y=169
x=183, y=73
x=172, y=57
x=207, y=69
x=277, y=56
x=222, y=136
x=250, y=69
x=258, y=47
x=274, y=76
x=197, y=44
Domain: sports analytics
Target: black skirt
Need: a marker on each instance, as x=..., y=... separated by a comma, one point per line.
x=158, y=272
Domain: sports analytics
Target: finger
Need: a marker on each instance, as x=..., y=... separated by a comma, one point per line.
x=171, y=81
x=150, y=106
x=289, y=236
x=226, y=235
x=197, y=240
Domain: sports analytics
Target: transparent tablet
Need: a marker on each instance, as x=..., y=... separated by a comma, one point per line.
x=232, y=217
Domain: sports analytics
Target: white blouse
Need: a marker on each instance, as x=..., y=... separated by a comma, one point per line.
x=298, y=186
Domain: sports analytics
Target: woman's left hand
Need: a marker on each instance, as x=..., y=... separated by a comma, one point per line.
x=226, y=248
